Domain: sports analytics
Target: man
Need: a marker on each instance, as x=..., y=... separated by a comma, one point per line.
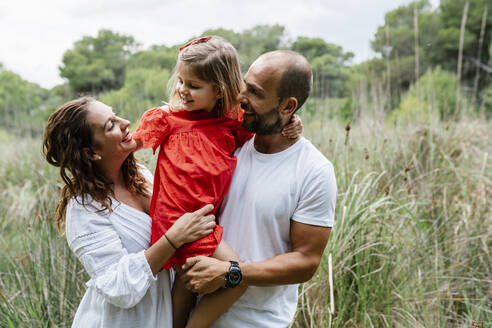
x=280, y=206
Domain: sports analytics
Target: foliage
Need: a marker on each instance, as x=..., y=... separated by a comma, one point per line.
x=411, y=110
x=410, y=246
x=438, y=42
x=434, y=91
x=395, y=40
x=22, y=104
x=157, y=57
x=451, y=13
x=144, y=88
x=316, y=47
x=329, y=64
x=487, y=106
x=408, y=198
x=251, y=43
x=97, y=64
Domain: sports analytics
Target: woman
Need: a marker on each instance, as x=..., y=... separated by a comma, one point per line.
x=104, y=207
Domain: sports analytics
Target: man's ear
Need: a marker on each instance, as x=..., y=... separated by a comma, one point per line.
x=288, y=106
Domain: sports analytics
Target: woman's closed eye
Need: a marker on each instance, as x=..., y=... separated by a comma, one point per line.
x=111, y=123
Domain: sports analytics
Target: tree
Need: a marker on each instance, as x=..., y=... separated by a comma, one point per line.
x=253, y=42
x=451, y=13
x=144, y=88
x=157, y=57
x=98, y=64
x=21, y=104
x=316, y=47
x=396, y=42
x=329, y=64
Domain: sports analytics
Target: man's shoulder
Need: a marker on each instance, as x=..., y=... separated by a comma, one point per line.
x=244, y=148
x=312, y=157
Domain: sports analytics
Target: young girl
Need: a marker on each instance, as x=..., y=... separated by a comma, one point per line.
x=198, y=133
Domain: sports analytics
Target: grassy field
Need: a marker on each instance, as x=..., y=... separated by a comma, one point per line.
x=411, y=247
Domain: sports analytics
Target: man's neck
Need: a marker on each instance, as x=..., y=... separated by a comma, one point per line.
x=273, y=143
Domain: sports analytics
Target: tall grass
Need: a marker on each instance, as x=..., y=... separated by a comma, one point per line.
x=413, y=248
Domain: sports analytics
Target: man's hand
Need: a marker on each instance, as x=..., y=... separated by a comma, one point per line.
x=204, y=275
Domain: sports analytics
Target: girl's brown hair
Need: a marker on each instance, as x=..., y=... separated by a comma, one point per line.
x=214, y=60
x=66, y=135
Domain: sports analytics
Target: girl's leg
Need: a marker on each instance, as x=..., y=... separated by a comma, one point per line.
x=213, y=305
x=183, y=301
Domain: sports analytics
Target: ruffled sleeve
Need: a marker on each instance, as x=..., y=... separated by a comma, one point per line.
x=121, y=278
x=240, y=134
x=153, y=128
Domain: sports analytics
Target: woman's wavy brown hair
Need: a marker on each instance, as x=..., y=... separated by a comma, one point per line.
x=66, y=135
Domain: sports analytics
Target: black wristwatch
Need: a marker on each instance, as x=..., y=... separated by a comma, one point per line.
x=234, y=276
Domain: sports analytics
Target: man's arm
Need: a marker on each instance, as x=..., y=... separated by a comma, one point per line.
x=205, y=274
x=299, y=265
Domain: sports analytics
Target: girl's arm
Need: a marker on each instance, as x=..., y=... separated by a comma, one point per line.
x=294, y=128
x=153, y=129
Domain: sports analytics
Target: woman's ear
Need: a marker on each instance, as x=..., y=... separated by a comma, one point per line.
x=91, y=155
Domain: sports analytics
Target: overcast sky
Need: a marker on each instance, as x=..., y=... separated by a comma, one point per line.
x=34, y=34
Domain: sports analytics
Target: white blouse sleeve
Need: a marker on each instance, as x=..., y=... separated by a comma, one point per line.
x=121, y=278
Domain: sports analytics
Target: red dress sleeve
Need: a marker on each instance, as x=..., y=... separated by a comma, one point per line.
x=153, y=128
x=240, y=134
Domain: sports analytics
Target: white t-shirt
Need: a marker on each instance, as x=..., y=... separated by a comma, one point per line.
x=268, y=191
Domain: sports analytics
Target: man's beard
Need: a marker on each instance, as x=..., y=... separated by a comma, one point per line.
x=263, y=124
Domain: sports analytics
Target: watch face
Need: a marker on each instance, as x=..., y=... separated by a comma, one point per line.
x=234, y=276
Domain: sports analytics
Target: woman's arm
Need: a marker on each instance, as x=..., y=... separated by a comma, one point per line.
x=123, y=278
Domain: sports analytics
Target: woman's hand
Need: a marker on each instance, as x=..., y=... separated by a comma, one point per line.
x=294, y=129
x=192, y=226
x=189, y=227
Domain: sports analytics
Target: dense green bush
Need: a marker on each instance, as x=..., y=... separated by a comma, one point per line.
x=434, y=93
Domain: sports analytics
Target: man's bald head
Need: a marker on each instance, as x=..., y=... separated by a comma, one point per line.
x=295, y=75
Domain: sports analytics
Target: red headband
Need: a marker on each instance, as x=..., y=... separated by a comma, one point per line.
x=199, y=40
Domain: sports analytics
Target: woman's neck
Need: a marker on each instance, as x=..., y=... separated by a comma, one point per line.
x=113, y=172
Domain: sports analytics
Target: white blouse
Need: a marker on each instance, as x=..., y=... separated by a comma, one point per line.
x=122, y=291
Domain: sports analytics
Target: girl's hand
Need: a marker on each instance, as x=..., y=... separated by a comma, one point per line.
x=139, y=144
x=192, y=226
x=294, y=129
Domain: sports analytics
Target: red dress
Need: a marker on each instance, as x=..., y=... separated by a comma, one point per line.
x=194, y=168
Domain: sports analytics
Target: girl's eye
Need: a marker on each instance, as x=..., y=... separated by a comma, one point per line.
x=194, y=86
x=112, y=125
x=252, y=91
